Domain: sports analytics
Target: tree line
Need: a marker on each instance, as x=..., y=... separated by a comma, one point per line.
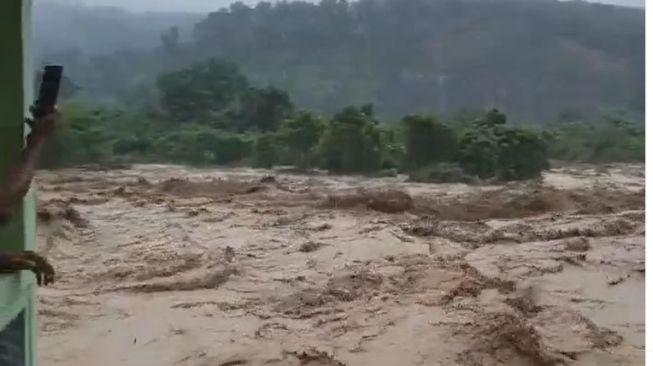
x=211, y=114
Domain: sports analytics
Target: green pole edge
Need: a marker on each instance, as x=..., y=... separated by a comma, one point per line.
x=17, y=291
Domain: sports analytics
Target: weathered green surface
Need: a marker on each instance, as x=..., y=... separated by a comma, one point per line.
x=16, y=291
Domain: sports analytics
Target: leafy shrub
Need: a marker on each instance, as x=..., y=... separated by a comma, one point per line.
x=522, y=154
x=352, y=143
x=265, y=153
x=427, y=141
x=198, y=146
x=489, y=149
x=132, y=145
x=300, y=134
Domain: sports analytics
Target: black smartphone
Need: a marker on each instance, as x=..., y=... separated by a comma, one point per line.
x=48, y=91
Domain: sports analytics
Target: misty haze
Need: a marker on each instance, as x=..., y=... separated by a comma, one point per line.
x=330, y=183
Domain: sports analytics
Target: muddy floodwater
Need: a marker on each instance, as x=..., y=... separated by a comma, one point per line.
x=170, y=266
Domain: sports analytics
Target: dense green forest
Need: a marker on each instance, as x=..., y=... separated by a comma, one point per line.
x=449, y=90
x=535, y=60
x=210, y=113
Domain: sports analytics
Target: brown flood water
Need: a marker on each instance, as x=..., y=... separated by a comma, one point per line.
x=164, y=265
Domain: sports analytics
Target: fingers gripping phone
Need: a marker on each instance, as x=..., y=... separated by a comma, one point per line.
x=48, y=91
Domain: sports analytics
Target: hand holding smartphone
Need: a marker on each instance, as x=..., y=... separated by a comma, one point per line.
x=45, y=116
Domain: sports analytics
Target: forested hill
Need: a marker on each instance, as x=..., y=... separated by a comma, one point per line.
x=532, y=59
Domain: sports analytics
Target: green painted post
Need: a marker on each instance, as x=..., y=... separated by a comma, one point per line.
x=17, y=292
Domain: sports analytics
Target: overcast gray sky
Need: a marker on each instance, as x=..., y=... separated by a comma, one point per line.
x=210, y=5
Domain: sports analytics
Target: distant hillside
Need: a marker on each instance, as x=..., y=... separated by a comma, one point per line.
x=533, y=59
